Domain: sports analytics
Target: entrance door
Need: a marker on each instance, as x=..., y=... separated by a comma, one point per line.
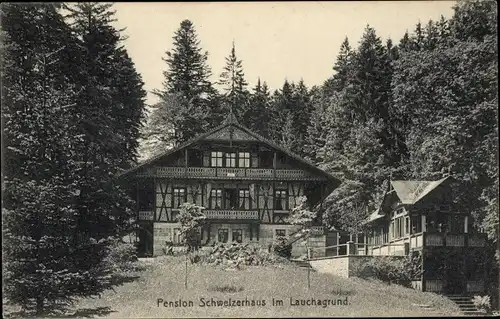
x=454, y=277
x=145, y=244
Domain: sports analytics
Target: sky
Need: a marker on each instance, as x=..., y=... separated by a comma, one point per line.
x=275, y=40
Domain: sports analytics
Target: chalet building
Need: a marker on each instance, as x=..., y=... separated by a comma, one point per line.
x=247, y=184
x=419, y=216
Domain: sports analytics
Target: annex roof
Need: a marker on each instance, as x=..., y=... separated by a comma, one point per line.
x=408, y=192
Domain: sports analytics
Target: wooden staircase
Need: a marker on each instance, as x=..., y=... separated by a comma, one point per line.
x=465, y=304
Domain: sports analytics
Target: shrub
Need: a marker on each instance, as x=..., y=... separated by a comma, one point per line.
x=282, y=248
x=391, y=269
x=237, y=255
x=482, y=303
x=121, y=256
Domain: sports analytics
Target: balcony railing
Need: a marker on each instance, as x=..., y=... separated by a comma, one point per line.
x=455, y=240
x=232, y=214
x=433, y=239
x=230, y=173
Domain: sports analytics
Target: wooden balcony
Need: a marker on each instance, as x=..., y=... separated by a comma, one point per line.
x=231, y=214
x=429, y=239
x=229, y=173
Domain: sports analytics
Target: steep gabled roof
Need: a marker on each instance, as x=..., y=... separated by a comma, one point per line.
x=409, y=192
x=231, y=121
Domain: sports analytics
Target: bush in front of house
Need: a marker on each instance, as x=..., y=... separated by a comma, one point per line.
x=236, y=255
x=121, y=256
x=391, y=269
x=282, y=248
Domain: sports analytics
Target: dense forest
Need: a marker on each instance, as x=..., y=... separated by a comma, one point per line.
x=74, y=113
x=419, y=109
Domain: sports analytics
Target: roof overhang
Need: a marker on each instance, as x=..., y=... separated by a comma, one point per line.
x=335, y=182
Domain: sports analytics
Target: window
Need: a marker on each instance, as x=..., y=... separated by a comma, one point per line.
x=230, y=200
x=195, y=158
x=223, y=235
x=244, y=199
x=179, y=197
x=216, y=159
x=416, y=224
x=206, y=159
x=280, y=232
x=407, y=225
x=244, y=159
x=456, y=223
x=216, y=199
x=230, y=159
x=238, y=235
x=255, y=160
x=266, y=160
x=280, y=200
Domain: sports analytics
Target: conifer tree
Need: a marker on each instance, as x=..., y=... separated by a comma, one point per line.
x=109, y=107
x=280, y=106
x=258, y=111
x=46, y=258
x=186, y=88
x=342, y=66
x=234, y=87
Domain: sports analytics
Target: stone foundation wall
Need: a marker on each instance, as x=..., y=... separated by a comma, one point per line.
x=163, y=232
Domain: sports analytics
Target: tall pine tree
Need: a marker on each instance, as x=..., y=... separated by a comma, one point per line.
x=258, y=111
x=186, y=91
x=109, y=110
x=234, y=87
x=46, y=258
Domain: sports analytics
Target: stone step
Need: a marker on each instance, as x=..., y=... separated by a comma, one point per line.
x=473, y=313
x=468, y=307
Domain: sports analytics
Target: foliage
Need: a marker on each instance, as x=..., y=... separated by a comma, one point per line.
x=238, y=255
x=62, y=151
x=289, y=116
x=282, y=247
x=257, y=115
x=483, y=303
x=121, y=256
x=391, y=269
x=302, y=216
x=191, y=219
x=234, y=87
x=187, y=99
x=446, y=101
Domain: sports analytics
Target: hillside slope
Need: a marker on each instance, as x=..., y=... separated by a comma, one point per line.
x=164, y=279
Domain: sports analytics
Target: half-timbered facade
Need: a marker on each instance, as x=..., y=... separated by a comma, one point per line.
x=246, y=183
x=420, y=216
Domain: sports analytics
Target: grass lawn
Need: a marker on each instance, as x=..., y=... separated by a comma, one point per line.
x=164, y=279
